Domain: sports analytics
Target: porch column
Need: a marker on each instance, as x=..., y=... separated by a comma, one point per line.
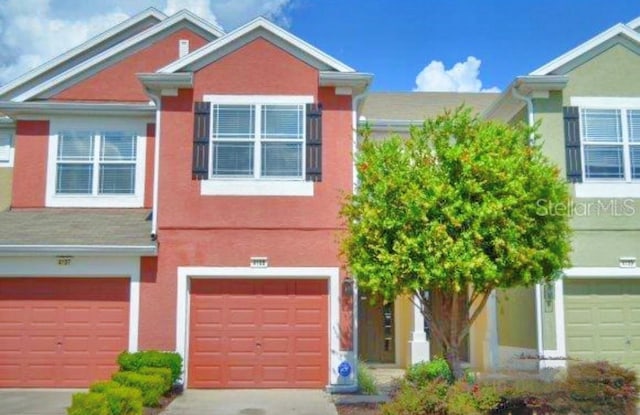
x=491, y=336
x=418, y=343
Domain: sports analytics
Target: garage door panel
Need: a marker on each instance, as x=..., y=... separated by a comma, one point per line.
x=261, y=333
x=603, y=320
x=70, y=330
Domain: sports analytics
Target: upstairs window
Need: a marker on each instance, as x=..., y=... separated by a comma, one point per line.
x=610, y=144
x=258, y=141
x=90, y=163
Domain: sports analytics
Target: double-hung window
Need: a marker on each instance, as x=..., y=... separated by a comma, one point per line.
x=90, y=163
x=257, y=141
x=610, y=144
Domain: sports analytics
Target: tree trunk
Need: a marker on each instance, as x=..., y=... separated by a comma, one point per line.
x=453, y=358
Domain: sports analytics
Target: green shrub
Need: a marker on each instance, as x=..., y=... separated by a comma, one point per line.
x=90, y=403
x=366, y=382
x=122, y=400
x=430, y=398
x=151, y=386
x=423, y=372
x=163, y=372
x=464, y=398
x=151, y=358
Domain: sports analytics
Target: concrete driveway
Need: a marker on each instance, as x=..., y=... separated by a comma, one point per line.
x=252, y=402
x=35, y=401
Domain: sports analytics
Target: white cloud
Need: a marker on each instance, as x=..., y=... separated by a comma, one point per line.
x=462, y=77
x=34, y=31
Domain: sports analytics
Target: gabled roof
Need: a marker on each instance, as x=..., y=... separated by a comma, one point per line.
x=207, y=29
x=619, y=29
x=100, y=42
x=259, y=27
x=635, y=23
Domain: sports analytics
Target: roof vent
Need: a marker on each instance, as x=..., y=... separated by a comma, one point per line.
x=183, y=47
x=259, y=262
x=627, y=262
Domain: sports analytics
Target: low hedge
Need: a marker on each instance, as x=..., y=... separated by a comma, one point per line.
x=133, y=362
x=421, y=373
x=122, y=400
x=152, y=387
x=88, y=403
x=163, y=372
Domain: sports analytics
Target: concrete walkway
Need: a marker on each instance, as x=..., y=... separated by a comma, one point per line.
x=35, y=401
x=252, y=402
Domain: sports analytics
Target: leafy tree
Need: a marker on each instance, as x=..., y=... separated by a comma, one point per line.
x=461, y=207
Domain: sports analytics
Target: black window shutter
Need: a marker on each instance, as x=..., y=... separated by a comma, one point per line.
x=572, y=144
x=314, y=143
x=201, y=140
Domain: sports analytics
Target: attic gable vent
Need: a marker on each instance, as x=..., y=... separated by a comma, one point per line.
x=183, y=47
x=259, y=262
x=627, y=262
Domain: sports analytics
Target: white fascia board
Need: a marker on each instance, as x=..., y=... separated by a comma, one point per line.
x=96, y=40
x=618, y=29
x=601, y=272
x=634, y=24
x=238, y=33
x=183, y=15
x=159, y=81
x=134, y=250
x=17, y=109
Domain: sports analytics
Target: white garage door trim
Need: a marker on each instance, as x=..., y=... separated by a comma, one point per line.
x=83, y=267
x=329, y=273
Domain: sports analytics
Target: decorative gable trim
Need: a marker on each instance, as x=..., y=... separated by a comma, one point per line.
x=259, y=27
x=593, y=43
x=149, y=14
x=179, y=19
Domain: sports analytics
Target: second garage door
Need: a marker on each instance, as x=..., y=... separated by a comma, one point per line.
x=258, y=334
x=61, y=332
x=603, y=320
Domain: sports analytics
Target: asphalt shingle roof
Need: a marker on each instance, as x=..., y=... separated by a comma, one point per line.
x=113, y=227
x=416, y=106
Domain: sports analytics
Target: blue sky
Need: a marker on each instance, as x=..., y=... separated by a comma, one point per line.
x=394, y=40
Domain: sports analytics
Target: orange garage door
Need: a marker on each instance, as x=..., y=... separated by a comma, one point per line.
x=258, y=334
x=61, y=332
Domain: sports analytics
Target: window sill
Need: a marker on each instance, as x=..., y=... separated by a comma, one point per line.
x=132, y=201
x=255, y=188
x=607, y=189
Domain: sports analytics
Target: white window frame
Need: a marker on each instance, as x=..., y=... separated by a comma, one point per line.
x=256, y=185
x=600, y=187
x=97, y=126
x=8, y=134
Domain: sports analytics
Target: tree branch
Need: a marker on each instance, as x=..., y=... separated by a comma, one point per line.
x=476, y=313
x=425, y=309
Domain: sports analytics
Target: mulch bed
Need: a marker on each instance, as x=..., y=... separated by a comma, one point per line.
x=359, y=409
x=164, y=402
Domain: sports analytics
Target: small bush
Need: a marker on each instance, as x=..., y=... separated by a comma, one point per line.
x=132, y=362
x=464, y=398
x=90, y=403
x=151, y=386
x=122, y=400
x=423, y=372
x=430, y=398
x=366, y=382
x=163, y=372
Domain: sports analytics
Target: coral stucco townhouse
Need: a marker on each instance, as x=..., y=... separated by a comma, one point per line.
x=169, y=186
x=177, y=188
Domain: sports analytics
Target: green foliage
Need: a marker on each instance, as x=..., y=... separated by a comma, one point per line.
x=162, y=372
x=121, y=400
x=466, y=399
x=366, y=382
x=90, y=403
x=421, y=373
x=152, y=358
x=430, y=398
x=462, y=203
x=151, y=386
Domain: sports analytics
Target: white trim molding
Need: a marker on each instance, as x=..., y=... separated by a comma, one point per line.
x=250, y=187
x=102, y=250
x=331, y=274
x=239, y=33
x=83, y=267
x=258, y=99
x=602, y=272
x=96, y=126
x=612, y=189
x=7, y=154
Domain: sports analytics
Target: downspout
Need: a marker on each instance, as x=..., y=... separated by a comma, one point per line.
x=355, y=103
x=157, y=99
x=531, y=122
